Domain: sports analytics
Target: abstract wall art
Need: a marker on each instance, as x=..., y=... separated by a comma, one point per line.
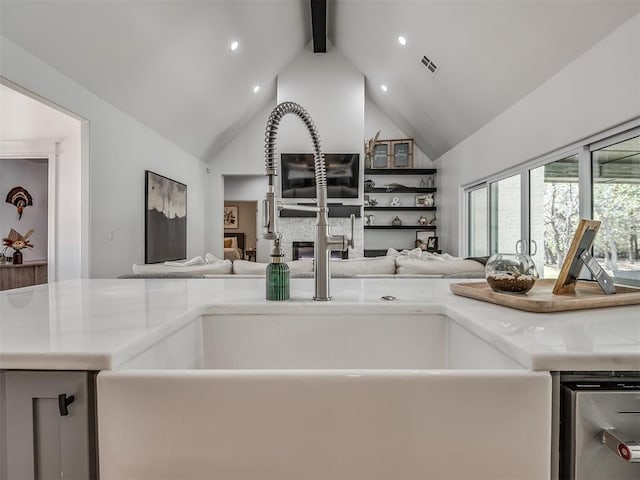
x=165, y=219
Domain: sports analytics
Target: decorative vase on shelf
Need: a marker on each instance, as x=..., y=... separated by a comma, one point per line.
x=17, y=257
x=511, y=272
x=429, y=202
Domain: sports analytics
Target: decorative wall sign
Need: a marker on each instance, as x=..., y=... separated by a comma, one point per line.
x=230, y=216
x=381, y=153
x=402, y=153
x=165, y=219
x=20, y=198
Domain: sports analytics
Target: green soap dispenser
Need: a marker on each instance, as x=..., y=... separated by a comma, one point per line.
x=277, y=275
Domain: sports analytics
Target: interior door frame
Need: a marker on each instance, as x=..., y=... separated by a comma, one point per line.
x=46, y=151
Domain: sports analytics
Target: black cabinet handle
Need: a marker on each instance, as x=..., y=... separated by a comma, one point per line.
x=64, y=402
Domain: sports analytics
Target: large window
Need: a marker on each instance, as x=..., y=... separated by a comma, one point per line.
x=616, y=203
x=505, y=215
x=477, y=224
x=553, y=213
x=535, y=208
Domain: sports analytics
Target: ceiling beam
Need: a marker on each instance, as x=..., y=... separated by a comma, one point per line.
x=319, y=25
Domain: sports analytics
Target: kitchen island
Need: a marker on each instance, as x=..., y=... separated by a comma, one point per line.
x=150, y=333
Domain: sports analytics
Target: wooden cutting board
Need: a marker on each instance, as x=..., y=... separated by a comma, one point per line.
x=540, y=298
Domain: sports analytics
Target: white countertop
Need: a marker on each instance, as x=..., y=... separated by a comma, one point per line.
x=100, y=324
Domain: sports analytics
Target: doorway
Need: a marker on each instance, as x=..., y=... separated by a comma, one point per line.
x=32, y=129
x=246, y=192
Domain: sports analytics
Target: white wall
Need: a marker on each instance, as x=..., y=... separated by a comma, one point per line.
x=243, y=156
x=33, y=175
x=331, y=89
x=597, y=91
x=118, y=151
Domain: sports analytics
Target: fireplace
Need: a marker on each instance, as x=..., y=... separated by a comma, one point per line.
x=304, y=250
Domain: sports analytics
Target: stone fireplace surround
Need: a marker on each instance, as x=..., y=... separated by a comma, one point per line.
x=302, y=229
x=304, y=251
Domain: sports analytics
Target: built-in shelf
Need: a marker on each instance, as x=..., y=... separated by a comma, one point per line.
x=413, y=176
x=335, y=211
x=401, y=227
x=400, y=171
x=401, y=189
x=415, y=209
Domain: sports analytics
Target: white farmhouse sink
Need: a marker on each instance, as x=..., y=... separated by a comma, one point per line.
x=393, y=395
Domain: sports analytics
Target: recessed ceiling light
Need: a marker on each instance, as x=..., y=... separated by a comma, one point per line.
x=402, y=41
x=234, y=46
x=384, y=88
x=256, y=89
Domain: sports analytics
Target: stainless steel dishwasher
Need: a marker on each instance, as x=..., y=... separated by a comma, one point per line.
x=600, y=427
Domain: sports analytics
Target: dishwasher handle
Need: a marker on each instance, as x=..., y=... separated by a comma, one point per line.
x=622, y=445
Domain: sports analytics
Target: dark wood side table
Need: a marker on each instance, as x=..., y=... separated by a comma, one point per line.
x=250, y=253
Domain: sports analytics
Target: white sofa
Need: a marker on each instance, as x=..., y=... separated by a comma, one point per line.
x=391, y=265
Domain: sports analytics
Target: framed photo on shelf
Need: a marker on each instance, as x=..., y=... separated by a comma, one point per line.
x=432, y=244
x=381, y=154
x=422, y=238
x=402, y=153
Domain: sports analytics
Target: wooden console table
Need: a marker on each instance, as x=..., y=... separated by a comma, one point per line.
x=27, y=274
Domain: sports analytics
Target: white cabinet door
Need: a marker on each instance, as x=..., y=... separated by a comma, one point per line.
x=43, y=441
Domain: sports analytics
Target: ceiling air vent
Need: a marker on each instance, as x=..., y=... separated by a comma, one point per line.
x=432, y=67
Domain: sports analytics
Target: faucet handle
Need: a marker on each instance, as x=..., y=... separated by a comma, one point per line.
x=268, y=218
x=265, y=213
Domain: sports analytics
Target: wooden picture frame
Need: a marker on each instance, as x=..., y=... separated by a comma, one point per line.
x=231, y=216
x=402, y=153
x=165, y=226
x=381, y=154
x=422, y=237
x=582, y=240
x=432, y=244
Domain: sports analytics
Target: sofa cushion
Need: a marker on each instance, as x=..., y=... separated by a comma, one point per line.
x=412, y=265
x=223, y=266
x=301, y=266
x=364, y=266
x=244, y=267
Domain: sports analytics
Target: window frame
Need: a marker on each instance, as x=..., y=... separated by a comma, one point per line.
x=583, y=149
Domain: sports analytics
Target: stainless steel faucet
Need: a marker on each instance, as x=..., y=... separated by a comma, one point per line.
x=325, y=242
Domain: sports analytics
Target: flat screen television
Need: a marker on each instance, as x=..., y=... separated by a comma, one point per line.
x=299, y=181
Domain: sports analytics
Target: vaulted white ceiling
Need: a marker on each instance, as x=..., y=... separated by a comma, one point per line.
x=168, y=63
